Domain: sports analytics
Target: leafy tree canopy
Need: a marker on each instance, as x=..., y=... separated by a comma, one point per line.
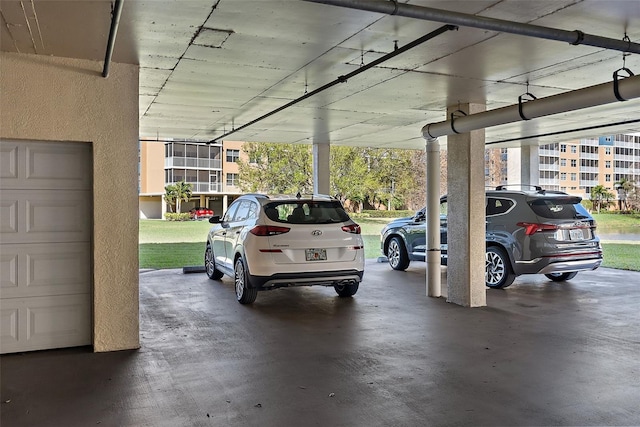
x=361, y=175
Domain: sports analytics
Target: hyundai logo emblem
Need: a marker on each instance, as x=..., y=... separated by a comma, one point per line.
x=316, y=232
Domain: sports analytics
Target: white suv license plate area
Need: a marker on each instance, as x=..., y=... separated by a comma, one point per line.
x=576, y=234
x=315, y=254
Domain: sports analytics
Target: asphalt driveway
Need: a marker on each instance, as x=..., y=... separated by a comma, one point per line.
x=541, y=353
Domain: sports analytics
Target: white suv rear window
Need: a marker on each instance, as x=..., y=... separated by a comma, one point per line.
x=306, y=212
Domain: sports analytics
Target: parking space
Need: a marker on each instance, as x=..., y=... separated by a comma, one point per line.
x=540, y=353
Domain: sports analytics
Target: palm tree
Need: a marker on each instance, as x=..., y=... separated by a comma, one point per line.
x=178, y=193
x=599, y=196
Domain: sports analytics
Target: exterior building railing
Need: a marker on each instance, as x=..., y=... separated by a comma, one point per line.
x=190, y=162
x=549, y=167
x=589, y=169
x=203, y=187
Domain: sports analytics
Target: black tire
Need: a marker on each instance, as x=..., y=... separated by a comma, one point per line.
x=346, y=290
x=244, y=294
x=397, y=254
x=210, y=265
x=561, y=277
x=498, y=273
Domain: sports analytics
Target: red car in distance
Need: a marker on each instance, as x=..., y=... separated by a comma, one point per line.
x=200, y=213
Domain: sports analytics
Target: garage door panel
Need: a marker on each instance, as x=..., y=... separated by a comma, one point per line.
x=45, y=216
x=8, y=215
x=8, y=271
x=45, y=245
x=45, y=269
x=9, y=327
x=46, y=322
x=8, y=162
x=47, y=165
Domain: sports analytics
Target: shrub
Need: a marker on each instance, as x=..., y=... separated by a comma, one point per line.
x=381, y=214
x=172, y=216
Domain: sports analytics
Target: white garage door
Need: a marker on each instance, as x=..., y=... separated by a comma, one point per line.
x=45, y=245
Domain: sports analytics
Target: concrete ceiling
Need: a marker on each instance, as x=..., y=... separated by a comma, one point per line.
x=207, y=67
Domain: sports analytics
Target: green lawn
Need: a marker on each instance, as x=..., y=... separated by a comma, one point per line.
x=166, y=244
x=174, y=244
x=617, y=223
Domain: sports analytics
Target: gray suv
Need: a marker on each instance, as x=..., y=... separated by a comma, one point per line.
x=527, y=232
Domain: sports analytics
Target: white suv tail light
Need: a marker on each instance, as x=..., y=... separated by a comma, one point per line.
x=268, y=230
x=352, y=228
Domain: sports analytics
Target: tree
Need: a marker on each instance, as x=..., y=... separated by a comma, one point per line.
x=276, y=168
x=624, y=188
x=364, y=176
x=600, y=196
x=177, y=193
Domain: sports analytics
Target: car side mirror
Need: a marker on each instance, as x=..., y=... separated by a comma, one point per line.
x=215, y=219
x=420, y=216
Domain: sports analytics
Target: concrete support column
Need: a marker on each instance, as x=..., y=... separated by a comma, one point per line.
x=466, y=215
x=203, y=201
x=225, y=203
x=321, y=173
x=434, y=288
x=523, y=165
x=163, y=205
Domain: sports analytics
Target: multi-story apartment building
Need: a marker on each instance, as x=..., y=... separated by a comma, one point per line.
x=577, y=166
x=211, y=169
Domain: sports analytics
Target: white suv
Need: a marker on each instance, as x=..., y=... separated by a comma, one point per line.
x=266, y=243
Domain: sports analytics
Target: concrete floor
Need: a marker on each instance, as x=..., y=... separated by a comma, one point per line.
x=540, y=354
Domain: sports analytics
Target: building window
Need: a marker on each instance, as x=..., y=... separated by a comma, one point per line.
x=563, y=162
x=607, y=164
x=232, y=179
x=607, y=177
x=574, y=149
x=563, y=176
x=563, y=148
x=574, y=163
x=573, y=177
x=233, y=155
x=607, y=151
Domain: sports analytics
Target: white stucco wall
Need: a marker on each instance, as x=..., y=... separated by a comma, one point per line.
x=47, y=98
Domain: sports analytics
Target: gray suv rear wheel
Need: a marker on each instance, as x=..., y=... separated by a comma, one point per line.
x=498, y=272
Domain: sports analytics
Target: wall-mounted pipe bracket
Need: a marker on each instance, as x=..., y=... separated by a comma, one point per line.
x=521, y=98
x=616, y=75
x=453, y=118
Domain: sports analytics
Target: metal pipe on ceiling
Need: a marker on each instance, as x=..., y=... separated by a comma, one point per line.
x=116, y=12
x=393, y=7
x=605, y=93
x=343, y=79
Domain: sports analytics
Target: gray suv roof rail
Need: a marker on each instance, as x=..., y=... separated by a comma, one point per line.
x=535, y=187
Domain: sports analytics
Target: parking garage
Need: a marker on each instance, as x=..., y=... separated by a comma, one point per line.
x=54, y=92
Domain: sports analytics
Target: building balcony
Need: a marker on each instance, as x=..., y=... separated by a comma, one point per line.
x=202, y=187
x=590, y=156
x=547, y=167
x=192, y=162
x=548, y=182
x=589, y=169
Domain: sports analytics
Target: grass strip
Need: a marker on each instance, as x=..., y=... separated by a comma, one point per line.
x=177, y=255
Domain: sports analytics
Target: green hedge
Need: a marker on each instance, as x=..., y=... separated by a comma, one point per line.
x=171, y=216
x=381, y=214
